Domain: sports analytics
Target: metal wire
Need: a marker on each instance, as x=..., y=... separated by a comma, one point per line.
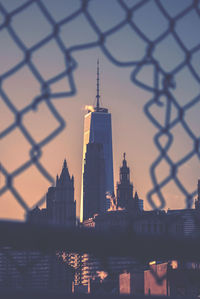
x=163, y=83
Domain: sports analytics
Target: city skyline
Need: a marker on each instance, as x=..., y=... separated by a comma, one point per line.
x=136, y=161
x=99, y=147
x=124, y=99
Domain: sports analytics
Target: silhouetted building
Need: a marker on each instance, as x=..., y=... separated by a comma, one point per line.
x=124, y=187
x=185, y=222
x=55, y=271
x=125, y=199
x=94, y=192
x=97, y=129
x=38, y=215
x=60, y=203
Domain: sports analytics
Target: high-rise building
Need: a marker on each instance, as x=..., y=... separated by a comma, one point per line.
x=97, y=129
x=94, y=181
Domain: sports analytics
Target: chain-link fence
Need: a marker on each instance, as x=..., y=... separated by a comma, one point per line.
x=166, y=80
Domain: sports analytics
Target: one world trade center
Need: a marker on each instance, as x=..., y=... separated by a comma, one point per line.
x=97, y=165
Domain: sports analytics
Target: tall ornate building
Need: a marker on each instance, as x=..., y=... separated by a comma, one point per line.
x=125, y=199
x=97, y=129
x=55, y=270
x=61, y=206
x=60, y=203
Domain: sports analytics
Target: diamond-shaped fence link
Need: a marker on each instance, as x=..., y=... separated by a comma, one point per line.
x=164, y=82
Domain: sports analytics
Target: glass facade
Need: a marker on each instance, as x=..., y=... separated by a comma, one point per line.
x=98, y=129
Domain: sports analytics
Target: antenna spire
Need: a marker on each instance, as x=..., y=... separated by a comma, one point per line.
x=97, y=96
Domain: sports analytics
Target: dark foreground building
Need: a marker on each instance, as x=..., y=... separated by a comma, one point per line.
x=162, y=279
x=34, y=271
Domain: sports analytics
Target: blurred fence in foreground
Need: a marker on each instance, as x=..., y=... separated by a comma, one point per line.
x=165, y=80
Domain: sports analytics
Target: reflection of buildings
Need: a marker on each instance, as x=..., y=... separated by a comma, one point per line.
x=97, y=129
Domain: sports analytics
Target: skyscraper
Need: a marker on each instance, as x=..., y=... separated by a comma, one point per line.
x=94, y=181
x=97, y=129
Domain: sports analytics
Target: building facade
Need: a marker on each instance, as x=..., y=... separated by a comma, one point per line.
x=94, y=188
x=56, y=270
x=60, y=204
x=125, y=198
x=34, y=270
x=98, y=129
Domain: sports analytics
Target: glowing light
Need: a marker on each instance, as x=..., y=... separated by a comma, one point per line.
x=113, y=203
x=174, y=264
x=89, y=108
x=120, y=209
x=152, y=263
x=102, y=275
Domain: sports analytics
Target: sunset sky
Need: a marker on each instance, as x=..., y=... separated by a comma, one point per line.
x=132, y=131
